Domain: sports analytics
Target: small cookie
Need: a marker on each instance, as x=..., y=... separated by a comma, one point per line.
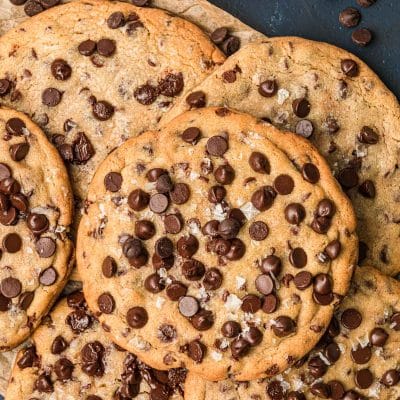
x=70, y=357
x=205, y=245
x=331, y=97
x=35, y=216
x=356, y=359
x=94, y=73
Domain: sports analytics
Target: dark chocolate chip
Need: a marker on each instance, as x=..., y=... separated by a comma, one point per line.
x=48, y=276
x=137, y=317
x=284, y=184
x=196, y=99
x=51, y=97
x=351, y=318
x=268, y=88
x=361, y=37
x=301, y=107
x=138, y=199
x=61, y=70
x=188, y=306
x=283, y=326
x=258, y=230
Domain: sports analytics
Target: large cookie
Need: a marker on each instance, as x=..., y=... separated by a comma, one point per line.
x=94, y=73
x=329, y=96
x=69, y=357
x=356, y=359
x=35, y=217
x=207, y=226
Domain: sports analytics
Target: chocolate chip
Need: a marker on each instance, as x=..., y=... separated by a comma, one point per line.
x=361, y=355
x=82, y=149
x=146, y=94
x=378, y=337
x=25, y=300
x=9, y=186
x=333, y=249
x=92, y=362
x=116, y=20
x=15, y=127
x=367, y=189
x=271, y=265
x=45, y=247
x=224, y=174
x=28, y=358
x=391, y=378
x=229, y=76
x=298, y=257
x=164, y=183
x=366, y=3
x=140, y=3
x=176, y=290
x=144, y=229
x=10, y=287
x=239, y=348
x=193, y=270
x=43, y=384
x=61, y=70
x=230, y=45
x=284, y=184
x=264, y=284
x=158, y=203
x=197, y=351
x=132, y=248
x=320, y=389
x=295, y=213
x=326, y=208
x=303, y=280
x=138, y=199
x=217, y=146
x=187, y=246
x=251, y=303
x=173, y=223
x=32, y=8
x=361, y=37
x=216, y=194
x=364, y=378
x=109, y=267
x=295, y=396
x=367, y=135
x=196, y=99
x=164, y=247
x=259, y=163
x=48, y=276
x=254, y=336
x=317, y=367
x=180, y=193
x=19, y=151
x=304, y=128
x=322, y=284
x=219, y=35
x=350, y=17
x=263, y=198
x=5, y=303
x=301, y=107
x=154, y=284
x=59, y=345
x=228, y=228
x=258, y=230
x=5, y=171
x=106, y=47
x=203, y=320
x=8, y=217
x=5, y=87
x=349, y=67
x=106, y=303
x=137, y=317
x=275, y=391
x=172, y=85
x=283, y=326
x=351, y=318
x=87, y=48
x=188, y=306
x=323, y=299
x=310, y=173
x=231, y=329
x=236, y=250
x=12, y=243
x=191, y=135
x=51, y=97
x=103, y=110
x=268, y=88
x=79, y=321
x=166, y=263
x=37, y=223
x=212, y=279
x=20, y=202
x=63, y=368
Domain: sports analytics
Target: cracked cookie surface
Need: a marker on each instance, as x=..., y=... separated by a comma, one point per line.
x=356, y=359
x=214, y=249
x=35, y=218
x=69, y=357
x=332, y=98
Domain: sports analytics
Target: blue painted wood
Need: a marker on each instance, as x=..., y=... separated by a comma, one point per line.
x=318, y=20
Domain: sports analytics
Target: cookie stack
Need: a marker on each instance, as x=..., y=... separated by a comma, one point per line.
x=218, y=205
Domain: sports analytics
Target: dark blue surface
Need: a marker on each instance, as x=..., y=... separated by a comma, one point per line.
x=318, y=20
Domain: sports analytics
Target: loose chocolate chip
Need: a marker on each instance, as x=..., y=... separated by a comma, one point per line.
x=367, y=135
x=321, y=224
x=310, y=173
x=138, y=199
x=15, y=127
x=191, y=135
x=336, y=390
x=366, y=3
x=197, y=351
x=146, y=94
x=12, y=243
x=391, y=378
x=301, y=107
x=303, y=280
x=264, y=284
x=92, y=362
x=144, y=229
x=19, y=201
x=263, y=198
x=230, y=45
x=216, y=194
x=231, y=329
x=224, y=174
x=228, y=228
x=61, y=70
x=10, y=287
x=349, y=67
x=180, y=193
x=351, y=318
x=176, y=290
x=49, y=3
x=203, y=320
x=271, y=265
x=362, y=37
x=51, y=97
x=237, y=213
x=211, y=228
x=212, y=279
x=239, y=348
x=28, y=358
x=116, y=20
x=220, y=246
x=37, y=223
x=103, y=110
x=229, y=76
x=76, y=300
x=5, y=87
x=48, y=276
x=259, y=163
x=364, y=378
x=196, y=99
x=295, y=213
x=25, y=300
x=154, y=173
x=367, y=189
x=304, y=128
x=82, y=149
x=258, y=230
x=19, y=151
x=109, y=267
x=154, y=284
x=333, y=249
x=59, y=345
x=219, y=35
x=106, y=47
x=361, y=355
x=106, y=303
x=350, y=17
x=284, y=184
x=317, y=367
x=251, y=303
x=236, y=250
x=322, y=284
x=268, y=88
x=137, y=317
x=63, y=368
x=166, y=333
x=172, y=85
x=173, y=223
x=378, y=337
x=217, y=146
x=283, y=326
x=193, y=270
x=188, y=306
x=298, y=257
x=43, y=384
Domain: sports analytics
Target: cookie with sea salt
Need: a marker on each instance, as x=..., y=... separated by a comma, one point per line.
x=35, y=215
x=69, y=357
x=356, y=359
x=205, y=245
x=332, y=98
x=94, y=73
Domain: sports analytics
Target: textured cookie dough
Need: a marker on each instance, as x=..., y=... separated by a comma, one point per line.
x=69, y=357
x=207, y=222
x=92, y=77
x=327, y=94
x=356, y=359
x=35, y=216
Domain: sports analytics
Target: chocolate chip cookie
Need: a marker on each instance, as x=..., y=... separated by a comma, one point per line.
x=356, y=359
x=70, y=357
x=332, y=98
x=35, y=216
x=205, y=245
x=94, y=73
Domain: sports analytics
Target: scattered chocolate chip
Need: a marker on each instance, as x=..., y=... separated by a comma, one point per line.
x=172, y=85
x=63, y=368
x=19, y=151
x=92, y=362
x=295, y=213
x=350, y=17
x=116, y=20
x=259, y=163
x=191, y=135
x=362, y=37
x=59, y=345
x=43, y=384
x=271, y=265
x=176, y=290
x=364, y=378
x=302, y=280
x=82, y=149
x=203, y=320
x=391, y=378
x=106, y=47
x=146, y=94
x=15, y=127
x=193, y=270
x=219, y=35
x=333, y=249
x=12, y=243
x=361, y=355
x=310, y=173
x=230, y=45
x=109, y=267
x=10, y=287
x=367, y=135
x=138, y=199
x=378, y=337
x=239, y=348
x=79, y=321
x=212, y=279
x=367, y=189
x=264, y=284
x=224, y=174
x=25, y=300
x=217, y=146
x=263, y=198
